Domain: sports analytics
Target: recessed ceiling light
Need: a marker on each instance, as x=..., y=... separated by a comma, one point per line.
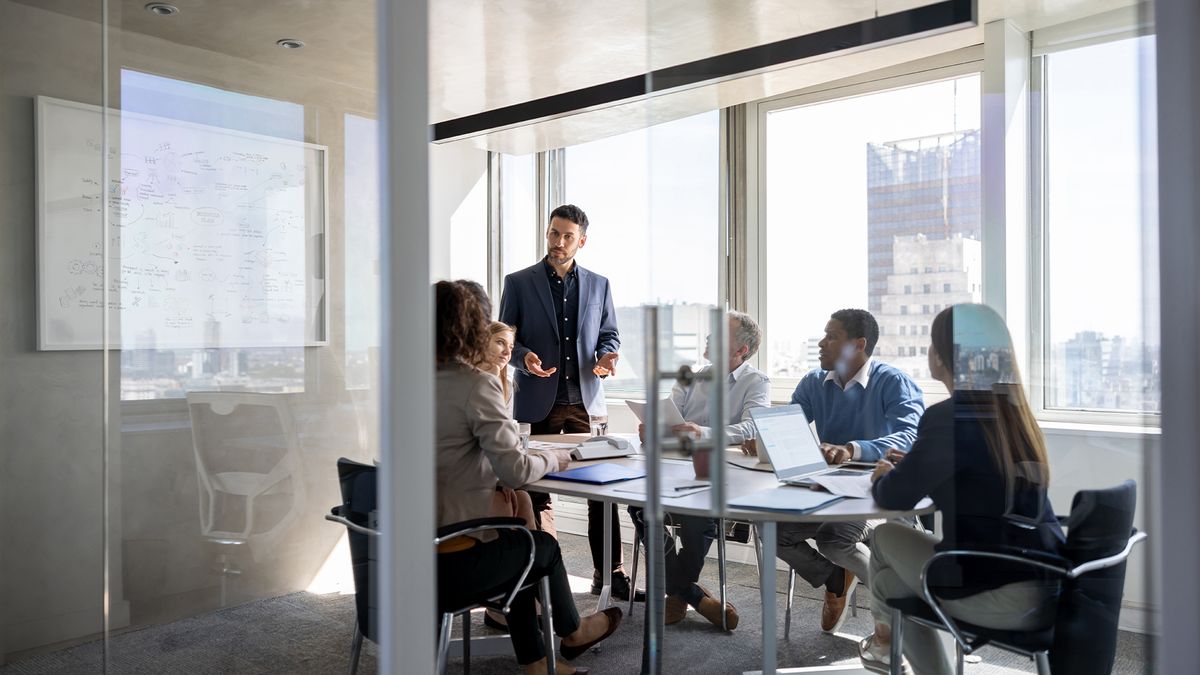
x=162, y=9
x=290, y=43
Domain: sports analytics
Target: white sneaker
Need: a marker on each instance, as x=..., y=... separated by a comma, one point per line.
x=876, y=658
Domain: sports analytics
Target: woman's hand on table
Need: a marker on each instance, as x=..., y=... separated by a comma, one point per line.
x=563, y=456
x=881, y=468
x=750, y=447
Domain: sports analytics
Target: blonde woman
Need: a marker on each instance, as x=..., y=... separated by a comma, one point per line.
x=501, y=337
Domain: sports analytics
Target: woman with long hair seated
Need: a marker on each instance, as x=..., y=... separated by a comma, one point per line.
x=982, y=459
x=477, y=449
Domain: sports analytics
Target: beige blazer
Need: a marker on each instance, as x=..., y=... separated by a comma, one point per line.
x=477, y=445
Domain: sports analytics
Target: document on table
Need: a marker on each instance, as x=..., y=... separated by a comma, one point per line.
x=855, y=487
x=670, y=413
x=671, y=489
x=544, y=445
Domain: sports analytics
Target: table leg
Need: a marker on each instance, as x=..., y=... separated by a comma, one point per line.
x=766, y=572
x=606, y=574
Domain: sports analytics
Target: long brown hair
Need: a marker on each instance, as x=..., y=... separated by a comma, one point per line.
x=974, y=344
x=494, y=329
x=461, y=325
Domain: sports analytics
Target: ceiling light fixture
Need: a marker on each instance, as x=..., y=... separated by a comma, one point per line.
x=290, y=43
x=162, y=9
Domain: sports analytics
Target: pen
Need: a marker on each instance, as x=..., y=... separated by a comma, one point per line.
x=689, y=487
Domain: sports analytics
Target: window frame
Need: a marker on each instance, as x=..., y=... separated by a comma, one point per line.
x=1039, y=346
x=951, y=66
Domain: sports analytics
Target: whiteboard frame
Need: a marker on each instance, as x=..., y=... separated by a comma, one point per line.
x=317, y=329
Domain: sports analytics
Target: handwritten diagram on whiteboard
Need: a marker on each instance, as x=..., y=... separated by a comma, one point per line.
x=215, y=237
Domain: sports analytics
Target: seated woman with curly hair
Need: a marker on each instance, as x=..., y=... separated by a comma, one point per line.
x=478, y=448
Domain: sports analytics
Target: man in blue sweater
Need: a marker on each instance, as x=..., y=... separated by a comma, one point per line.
x=862, y=409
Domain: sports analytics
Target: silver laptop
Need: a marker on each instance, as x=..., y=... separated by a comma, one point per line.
x=787, y=441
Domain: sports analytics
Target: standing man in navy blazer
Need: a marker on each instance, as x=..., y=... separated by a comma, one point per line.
x=566, y=340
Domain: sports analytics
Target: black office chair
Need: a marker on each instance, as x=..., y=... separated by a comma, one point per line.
x=1081, y=639
x=358, y=513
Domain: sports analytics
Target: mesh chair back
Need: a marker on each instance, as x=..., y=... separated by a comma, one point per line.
x=1085, y=631
x=359, y=497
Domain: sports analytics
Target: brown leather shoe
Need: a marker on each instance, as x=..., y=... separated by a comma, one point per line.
x=710, y=608
x=675, y=611
x=835, y=609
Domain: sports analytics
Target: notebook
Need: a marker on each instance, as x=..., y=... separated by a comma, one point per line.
x=598, y=474
x=798, y=500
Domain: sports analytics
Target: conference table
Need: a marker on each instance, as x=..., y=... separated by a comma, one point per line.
x=738, y=482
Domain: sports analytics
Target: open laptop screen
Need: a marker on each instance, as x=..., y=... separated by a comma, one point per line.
x=788, y=440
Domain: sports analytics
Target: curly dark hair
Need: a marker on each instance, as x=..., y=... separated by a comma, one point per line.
x=462, y=325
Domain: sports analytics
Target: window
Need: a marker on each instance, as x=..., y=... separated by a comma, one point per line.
x=469, y=232
x=903, y=330
x=927, y=288
x=362, y=250
x=899, y=173
x=644, y=192
x=1100, y=354
x=945, y=288
x=520, y=220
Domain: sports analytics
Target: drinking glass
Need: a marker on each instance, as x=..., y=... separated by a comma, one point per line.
x=599, y=425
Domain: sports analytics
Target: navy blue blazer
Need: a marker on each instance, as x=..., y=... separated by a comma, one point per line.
x=526, y=304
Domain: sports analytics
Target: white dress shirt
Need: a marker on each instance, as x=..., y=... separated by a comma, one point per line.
x=748, y=388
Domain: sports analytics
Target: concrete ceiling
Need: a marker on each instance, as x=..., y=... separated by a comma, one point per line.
x=486, y=54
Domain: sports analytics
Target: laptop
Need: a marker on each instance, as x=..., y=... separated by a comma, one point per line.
x=787, y=441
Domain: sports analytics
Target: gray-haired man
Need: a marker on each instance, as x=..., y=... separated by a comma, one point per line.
x=748, y=389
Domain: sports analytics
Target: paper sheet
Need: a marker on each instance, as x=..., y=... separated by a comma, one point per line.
x=855, y=487
x=543, y=445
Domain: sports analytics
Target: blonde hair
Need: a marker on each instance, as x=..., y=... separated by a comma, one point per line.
x=494, y=329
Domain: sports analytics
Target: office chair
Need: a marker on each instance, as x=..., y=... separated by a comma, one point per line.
x=358, y=513
x=1081, y=639
x=249, y=470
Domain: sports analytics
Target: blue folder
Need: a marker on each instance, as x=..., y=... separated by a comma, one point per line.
x=799, y=500
x=598, y=474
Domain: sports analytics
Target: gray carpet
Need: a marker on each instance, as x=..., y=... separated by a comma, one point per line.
x=305, y=633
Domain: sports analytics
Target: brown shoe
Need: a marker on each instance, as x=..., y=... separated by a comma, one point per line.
x=676, y=610
x=710, y=608
x=834, y=611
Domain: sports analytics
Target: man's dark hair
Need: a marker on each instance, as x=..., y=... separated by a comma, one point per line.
x=858, y=323
x=572, y=213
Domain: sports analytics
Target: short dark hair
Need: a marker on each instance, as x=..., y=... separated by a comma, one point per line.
x=572, y=213
x=858, y=323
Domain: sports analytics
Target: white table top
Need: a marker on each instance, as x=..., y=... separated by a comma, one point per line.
x=738, y=482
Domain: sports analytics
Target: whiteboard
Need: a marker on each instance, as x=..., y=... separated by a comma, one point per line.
x=216, y=237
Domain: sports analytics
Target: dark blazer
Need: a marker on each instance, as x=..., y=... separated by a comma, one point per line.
x=526, y=304
x=951, y=463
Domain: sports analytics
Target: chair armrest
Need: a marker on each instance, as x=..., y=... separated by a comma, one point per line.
x=468, y=527
x=335, y=515
x=1045, y=567
x=1110, y=561
x=453, y=530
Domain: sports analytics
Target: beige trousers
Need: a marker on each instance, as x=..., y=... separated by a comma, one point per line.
x=899, y=553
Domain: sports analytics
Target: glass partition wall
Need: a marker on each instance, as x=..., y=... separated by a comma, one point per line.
x=244, y=276
x=195, y=299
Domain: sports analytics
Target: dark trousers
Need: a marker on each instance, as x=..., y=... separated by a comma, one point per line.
x=489, y=569
x=683, y=564
x=573, y=419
